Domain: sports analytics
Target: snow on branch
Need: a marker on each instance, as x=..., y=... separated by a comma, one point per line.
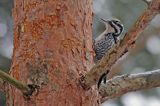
x=120, y=85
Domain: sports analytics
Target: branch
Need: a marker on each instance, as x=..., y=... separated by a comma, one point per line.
x=147, y=2
x=19, y=85
x=126, y=83
x=92, y=77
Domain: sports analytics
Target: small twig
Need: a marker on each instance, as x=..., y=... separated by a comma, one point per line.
x=92, y=77
x=147, y=2
x=27, y=90
x=120, y=85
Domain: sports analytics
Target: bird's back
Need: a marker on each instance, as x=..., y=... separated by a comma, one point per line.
x=103, y=45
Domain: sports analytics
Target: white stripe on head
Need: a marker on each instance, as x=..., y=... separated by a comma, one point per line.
x=118, y=27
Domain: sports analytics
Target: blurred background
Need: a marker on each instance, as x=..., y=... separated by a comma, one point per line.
x=145, y=57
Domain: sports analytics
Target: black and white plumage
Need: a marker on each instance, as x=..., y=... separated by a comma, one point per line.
x=107, y=40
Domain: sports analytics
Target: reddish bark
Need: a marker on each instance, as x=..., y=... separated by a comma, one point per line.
x=52, y=49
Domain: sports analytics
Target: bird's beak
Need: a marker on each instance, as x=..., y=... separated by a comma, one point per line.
x=104, y=21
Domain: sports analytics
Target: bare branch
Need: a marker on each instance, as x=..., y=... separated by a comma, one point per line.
x=120, y=85
x=92, y=77
x=25, y=89
x=147, y=2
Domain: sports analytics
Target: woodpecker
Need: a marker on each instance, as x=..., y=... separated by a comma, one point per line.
x=106, y=41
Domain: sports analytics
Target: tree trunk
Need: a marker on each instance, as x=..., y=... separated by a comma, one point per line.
x=52, y=49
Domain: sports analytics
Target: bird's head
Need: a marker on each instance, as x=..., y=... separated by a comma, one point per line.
x=113, y=26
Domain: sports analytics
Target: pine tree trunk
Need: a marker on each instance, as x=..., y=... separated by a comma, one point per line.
x=52, y=49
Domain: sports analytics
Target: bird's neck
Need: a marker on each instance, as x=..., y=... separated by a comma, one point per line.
x=102, y=35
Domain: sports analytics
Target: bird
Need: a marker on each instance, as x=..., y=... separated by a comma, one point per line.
x=105, y=41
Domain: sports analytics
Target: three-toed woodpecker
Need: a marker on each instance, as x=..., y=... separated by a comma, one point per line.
x=106, y=41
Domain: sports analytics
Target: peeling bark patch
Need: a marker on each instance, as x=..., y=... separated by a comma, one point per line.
x=88, y=56
x=57, y=72
x=55, y=87
x=34, y=10
x=38, y=73
x=49, y=53
x=71, y=43
x=71, y=74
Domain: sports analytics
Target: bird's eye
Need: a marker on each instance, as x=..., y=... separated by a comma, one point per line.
x=116, y=21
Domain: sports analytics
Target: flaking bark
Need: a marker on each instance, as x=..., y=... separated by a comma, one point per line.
x=52, y=49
